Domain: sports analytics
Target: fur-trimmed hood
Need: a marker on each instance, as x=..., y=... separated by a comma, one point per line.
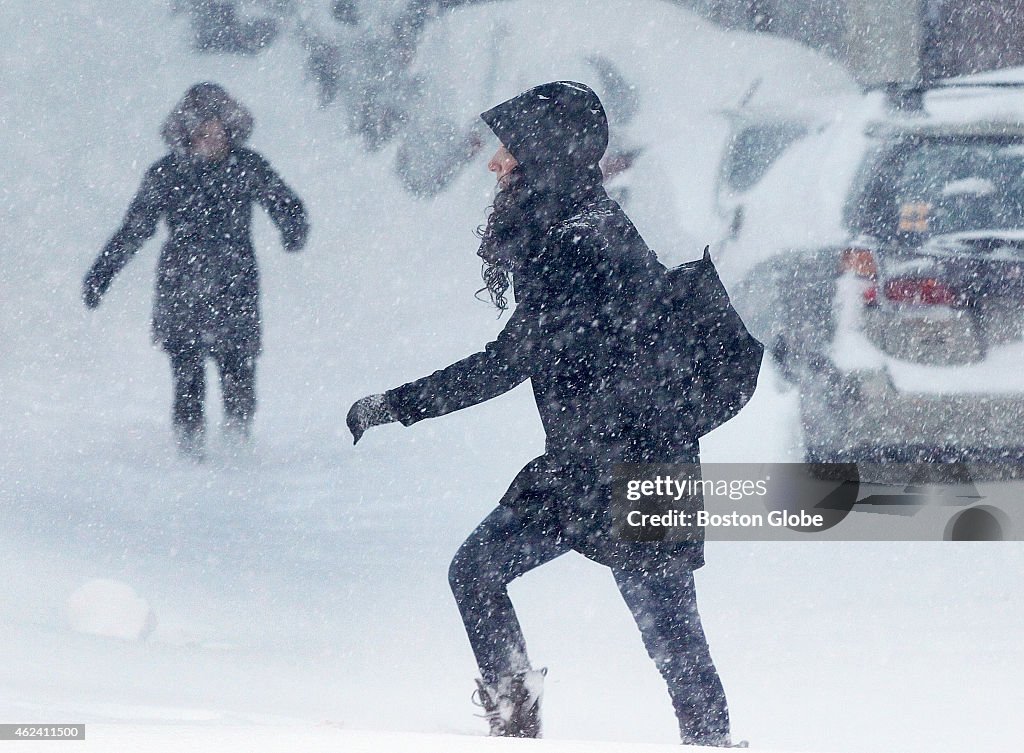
x=204, y=102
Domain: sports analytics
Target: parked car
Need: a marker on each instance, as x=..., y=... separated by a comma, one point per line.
x=902, y=321
x=662, y=71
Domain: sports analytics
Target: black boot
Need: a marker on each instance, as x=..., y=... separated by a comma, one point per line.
x=512, y=704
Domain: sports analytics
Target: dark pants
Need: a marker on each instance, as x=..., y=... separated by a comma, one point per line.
x=662, y=600
x=237, y=382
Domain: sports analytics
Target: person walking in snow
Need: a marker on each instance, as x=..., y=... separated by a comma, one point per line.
x=588, y=291
x=207, y=289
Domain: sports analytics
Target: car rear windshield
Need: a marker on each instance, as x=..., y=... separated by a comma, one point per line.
x=932, y=186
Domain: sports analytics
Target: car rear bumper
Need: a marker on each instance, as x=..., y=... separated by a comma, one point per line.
x=868, y=420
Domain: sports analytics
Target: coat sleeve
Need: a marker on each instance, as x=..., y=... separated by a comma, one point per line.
x=138, y=226
x=503, y=364
x=282, y=204
x=546, y=326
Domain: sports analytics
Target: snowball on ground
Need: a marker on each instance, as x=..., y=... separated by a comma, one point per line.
x=110, y=609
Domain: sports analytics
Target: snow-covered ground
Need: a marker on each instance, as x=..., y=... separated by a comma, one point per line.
x=321, y=738
x=299, y=591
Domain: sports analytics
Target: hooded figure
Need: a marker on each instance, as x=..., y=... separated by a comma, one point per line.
x=207, y=288
x=589, y=296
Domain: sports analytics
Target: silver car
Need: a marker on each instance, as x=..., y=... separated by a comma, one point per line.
x=905, y=338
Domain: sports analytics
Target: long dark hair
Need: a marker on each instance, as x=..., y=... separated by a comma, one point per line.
x=498, y=236
x=519, y=218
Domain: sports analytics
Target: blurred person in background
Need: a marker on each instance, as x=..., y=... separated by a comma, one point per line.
x=207, y=289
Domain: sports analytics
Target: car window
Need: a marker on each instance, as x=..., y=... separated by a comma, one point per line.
x=752, y=151
x=949, y=186
x=869, y=210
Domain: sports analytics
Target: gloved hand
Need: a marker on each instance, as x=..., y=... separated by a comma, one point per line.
x=293, y=245
x=91, y=294
x=295, y=239
x=372, y=410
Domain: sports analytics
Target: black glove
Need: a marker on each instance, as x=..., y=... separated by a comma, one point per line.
x=372, y=410
x=91, y=294
x=295, y=239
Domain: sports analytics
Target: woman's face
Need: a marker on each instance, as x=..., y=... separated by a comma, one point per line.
x=502, y=164
x=210, y=140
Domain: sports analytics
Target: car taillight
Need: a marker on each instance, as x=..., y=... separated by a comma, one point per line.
x=860, y=261
x=927, y=291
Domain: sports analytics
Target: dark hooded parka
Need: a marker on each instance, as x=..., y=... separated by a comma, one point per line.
x=588, y=294
x=207, y=288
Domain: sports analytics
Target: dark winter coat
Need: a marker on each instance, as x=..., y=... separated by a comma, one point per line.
x=589, y=293
x=207, y=288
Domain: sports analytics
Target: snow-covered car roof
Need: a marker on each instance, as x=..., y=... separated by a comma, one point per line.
x=965, y=106
x=799, y=203
x=937, y=128
x=655, y=65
